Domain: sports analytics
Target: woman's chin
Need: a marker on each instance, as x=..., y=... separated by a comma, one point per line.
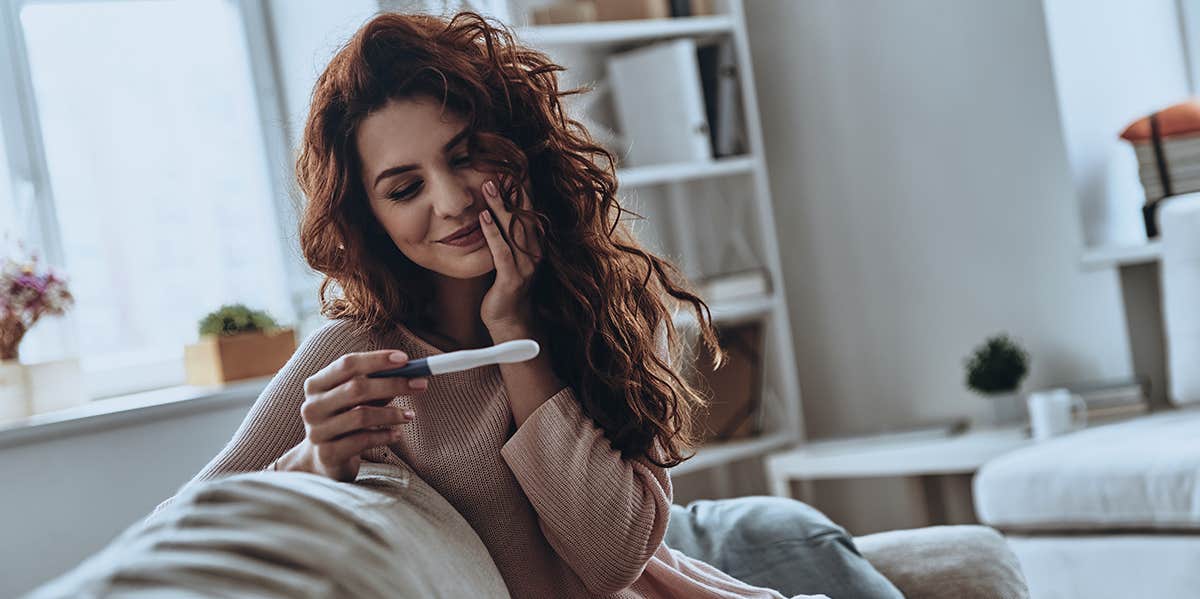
x=473, y=266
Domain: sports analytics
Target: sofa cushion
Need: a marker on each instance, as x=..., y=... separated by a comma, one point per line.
x=290, y=534
x=947, y=562
x=1137, y=474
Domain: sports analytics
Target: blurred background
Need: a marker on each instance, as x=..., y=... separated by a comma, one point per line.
x=865, y=192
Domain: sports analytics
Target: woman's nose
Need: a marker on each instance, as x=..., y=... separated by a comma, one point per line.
x=452, y=197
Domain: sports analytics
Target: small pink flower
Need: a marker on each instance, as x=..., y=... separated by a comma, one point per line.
x=27, y=292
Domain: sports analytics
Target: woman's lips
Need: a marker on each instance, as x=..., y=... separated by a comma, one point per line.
x=475, y=235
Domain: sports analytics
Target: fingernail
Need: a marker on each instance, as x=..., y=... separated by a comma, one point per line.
x=487, y=216
x=418, y=383
x=490, y=188
x=410, y=414
x=397, y=356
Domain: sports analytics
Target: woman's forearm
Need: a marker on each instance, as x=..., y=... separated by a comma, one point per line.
x=529, y=383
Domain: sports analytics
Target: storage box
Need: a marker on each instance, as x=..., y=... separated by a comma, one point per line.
x=565, y=12
x=221, y=359
x=735, y=389
x=621, y=10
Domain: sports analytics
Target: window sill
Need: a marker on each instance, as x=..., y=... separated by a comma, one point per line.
x=129, y=409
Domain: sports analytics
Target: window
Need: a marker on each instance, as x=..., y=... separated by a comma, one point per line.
x=158, y=185
x=8, y=211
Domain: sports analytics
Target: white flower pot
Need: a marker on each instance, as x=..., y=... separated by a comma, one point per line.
x=54, y=385
x=1008, y=408
x=14, y=390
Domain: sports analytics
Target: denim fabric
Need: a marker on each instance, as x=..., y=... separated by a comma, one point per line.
x=777, y=543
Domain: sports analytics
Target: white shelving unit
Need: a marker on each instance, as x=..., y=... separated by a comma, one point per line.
x=680, y=198
x=642, y=176
x=625, y=32
x=1140, y=275
x=1109, y=257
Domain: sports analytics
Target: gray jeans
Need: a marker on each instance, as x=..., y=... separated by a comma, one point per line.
x=777, y=543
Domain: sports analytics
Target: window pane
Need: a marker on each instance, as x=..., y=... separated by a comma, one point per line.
x=158, y=170
x=8, y=212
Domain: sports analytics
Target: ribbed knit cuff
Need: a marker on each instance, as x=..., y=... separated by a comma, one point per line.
x=558, y=414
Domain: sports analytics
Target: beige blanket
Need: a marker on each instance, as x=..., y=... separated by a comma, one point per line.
x=288, y=535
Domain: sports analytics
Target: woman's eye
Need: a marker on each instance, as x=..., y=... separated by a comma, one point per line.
x=405, y=192
x=461, y=161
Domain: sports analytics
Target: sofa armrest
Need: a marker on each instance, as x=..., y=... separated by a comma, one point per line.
x=280, y=535
x=952, y=562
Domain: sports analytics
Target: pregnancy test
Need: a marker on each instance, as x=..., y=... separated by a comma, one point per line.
x=466, y=359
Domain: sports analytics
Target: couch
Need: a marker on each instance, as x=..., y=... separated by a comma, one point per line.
x=288, y=534
x=1112, y=511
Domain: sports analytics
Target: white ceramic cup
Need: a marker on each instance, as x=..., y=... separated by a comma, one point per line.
x=1054, y=412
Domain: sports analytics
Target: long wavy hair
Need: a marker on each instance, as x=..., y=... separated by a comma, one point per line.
x=600, y=299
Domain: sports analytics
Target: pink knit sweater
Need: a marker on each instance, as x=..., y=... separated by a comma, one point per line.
x=558, y=509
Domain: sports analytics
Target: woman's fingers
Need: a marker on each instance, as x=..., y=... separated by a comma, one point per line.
x=515, y=236
x=357, y=419
x=357, y=391
x=502, y=255
x=529, y=250
x=352, y=365
x=350, y=446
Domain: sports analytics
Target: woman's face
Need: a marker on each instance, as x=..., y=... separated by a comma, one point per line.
x=422, y=187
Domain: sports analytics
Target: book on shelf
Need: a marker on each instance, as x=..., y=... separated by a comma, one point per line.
x=659, y=103
x=1116, y=412
x=1181, y=161
x=1113, y=399
x=722, y=98
x=691, y=8
x=734, y=285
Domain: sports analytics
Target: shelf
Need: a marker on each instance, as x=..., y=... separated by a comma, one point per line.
x=718, y=454
x=618, y=32
x=865, y=458
x=130, y=409
x=1122, y=256
x=642, y=176
x=729, y=311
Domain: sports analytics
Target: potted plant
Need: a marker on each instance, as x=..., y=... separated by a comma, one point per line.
x=995, y=370
x=28, y=291
x=237, y=343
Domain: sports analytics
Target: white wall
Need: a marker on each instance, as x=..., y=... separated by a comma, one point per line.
x=307, y=34
x=1114, y=61
x=74, y=494
x=65, y=498
x=923, y=201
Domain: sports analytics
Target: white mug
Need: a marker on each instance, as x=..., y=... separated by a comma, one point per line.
x=1050, y=413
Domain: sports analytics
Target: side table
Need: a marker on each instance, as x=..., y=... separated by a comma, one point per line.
x=928, y=458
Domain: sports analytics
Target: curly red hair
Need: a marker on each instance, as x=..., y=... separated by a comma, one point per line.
x=598, y=295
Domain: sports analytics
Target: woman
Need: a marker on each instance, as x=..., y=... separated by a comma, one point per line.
x=451, y=204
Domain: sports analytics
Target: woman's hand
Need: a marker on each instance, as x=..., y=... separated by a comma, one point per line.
x=344, y=414
x=506, y=308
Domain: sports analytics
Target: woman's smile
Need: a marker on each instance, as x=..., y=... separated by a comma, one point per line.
x=471, y=238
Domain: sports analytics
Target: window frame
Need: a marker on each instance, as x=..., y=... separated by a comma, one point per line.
x=34, y=196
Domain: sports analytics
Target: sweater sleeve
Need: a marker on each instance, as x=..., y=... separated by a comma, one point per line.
x=604, y=515
x=273, y=424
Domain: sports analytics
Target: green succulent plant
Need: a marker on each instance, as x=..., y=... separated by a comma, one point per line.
x=997, y=366
x=234, y=319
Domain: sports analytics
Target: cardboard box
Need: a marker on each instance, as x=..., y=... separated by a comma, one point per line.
x=735, y=389
x=215, y=360
x=565, y=12
x=622, y=10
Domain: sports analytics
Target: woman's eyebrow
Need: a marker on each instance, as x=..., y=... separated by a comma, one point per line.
x=404, y=168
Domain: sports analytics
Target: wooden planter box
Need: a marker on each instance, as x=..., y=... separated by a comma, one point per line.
x=215, y=360
x=735, y=390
